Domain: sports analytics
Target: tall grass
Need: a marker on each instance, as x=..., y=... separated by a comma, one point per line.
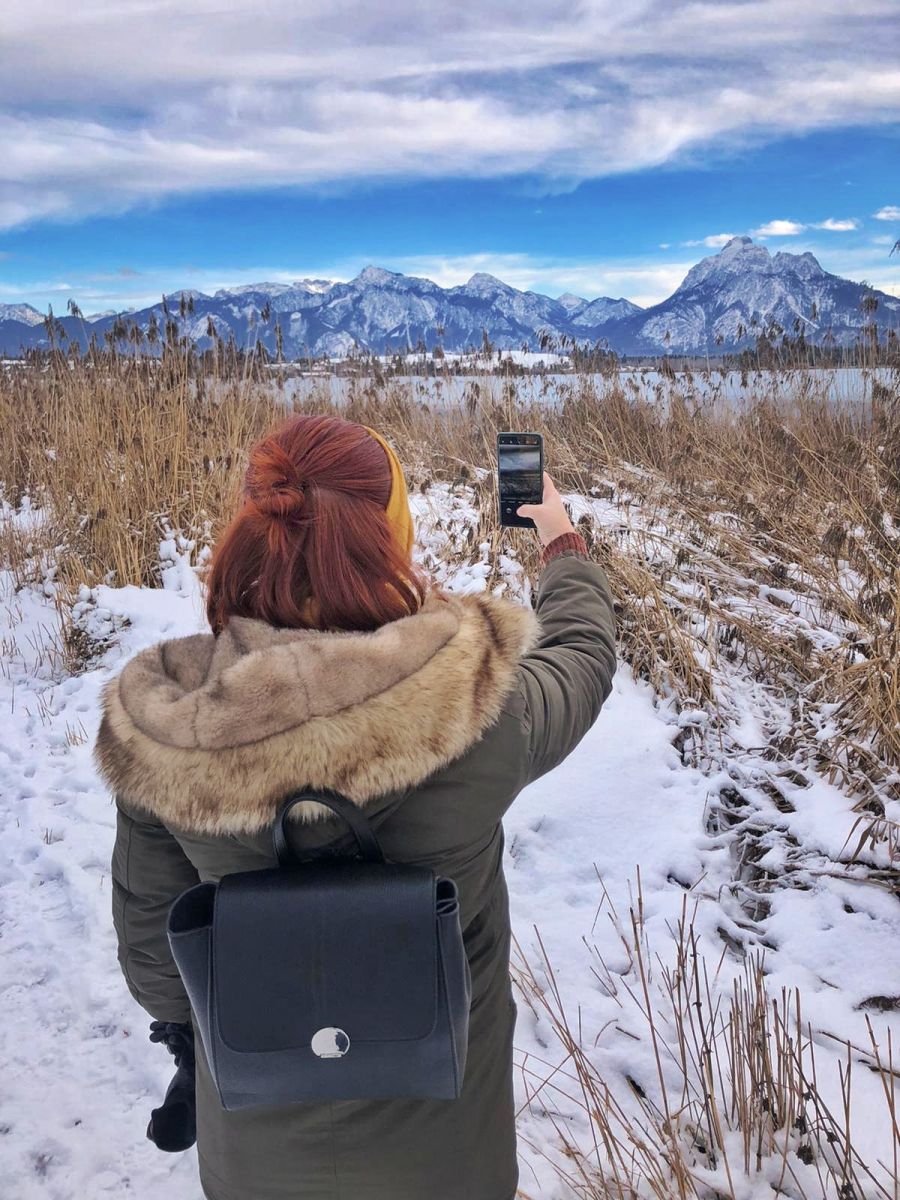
x=708, y=503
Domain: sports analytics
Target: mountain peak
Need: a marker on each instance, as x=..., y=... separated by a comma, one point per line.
x=806, y=265
x=25, y=313
x=187, y=293
x=483, y=284
x=738, y=256
x=247, y=289
x=734, y=247
x=375, y=276
x=570, y=301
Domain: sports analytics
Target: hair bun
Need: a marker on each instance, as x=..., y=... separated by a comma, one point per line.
x=272, y=484
x=279, y=501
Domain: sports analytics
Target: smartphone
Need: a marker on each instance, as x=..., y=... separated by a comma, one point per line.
x=520, y=470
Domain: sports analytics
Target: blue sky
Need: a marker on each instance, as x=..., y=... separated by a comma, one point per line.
x=592, y=147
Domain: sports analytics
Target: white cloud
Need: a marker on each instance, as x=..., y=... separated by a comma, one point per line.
x=841, y=225
x=714, y=241
x=779, y=228
x=775, y=228
x=890, y=212
x=135, y=102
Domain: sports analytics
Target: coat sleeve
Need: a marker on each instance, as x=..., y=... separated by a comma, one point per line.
x=149, y=870
x=567, y=675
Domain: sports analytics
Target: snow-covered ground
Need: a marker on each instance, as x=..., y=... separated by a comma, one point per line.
x=80, y=1076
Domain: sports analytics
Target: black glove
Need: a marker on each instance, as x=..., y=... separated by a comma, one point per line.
x=173, y=1126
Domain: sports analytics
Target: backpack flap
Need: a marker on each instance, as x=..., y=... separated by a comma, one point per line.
x=337, y=946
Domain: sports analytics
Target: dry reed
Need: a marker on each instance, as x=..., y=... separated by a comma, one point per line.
x=717, y=512
x=733, y=1104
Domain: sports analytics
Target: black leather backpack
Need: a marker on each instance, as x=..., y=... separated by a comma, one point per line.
x=331, y=978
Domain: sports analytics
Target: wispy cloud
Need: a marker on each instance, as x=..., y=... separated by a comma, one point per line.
x=203, y=96
x=843, y=225
x=890, y=212
x=714, y=241
x=779, y=228
x=775, y=228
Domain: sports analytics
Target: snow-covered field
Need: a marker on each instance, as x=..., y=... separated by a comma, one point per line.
x=80, y=1076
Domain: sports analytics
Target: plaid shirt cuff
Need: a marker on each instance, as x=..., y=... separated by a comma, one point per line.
x=565, y=541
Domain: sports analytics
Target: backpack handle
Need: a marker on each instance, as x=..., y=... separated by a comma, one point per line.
x=368, y=843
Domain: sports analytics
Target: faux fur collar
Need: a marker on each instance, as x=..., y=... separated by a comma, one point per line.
x=209, y=733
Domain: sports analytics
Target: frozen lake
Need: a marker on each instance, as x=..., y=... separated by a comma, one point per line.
x=734, y=389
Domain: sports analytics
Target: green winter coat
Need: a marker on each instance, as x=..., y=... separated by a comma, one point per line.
x=433, y=723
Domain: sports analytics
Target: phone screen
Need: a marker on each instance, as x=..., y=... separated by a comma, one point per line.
x=520, y=471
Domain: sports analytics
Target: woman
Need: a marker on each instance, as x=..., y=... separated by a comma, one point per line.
x=331, y=663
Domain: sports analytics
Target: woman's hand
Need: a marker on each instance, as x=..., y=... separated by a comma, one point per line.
x=550, y=516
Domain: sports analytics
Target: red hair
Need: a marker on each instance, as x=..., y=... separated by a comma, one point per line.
x=312, y=534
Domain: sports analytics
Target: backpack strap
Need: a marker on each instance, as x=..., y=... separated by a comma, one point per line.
x=368, y=843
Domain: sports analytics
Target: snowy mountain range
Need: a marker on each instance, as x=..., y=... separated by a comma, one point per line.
x=723, y=304
x=729, y=298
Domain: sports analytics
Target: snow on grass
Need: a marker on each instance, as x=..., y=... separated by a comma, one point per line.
x=750, y=851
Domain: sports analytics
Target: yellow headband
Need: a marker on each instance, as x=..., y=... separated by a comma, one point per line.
x=397, y=508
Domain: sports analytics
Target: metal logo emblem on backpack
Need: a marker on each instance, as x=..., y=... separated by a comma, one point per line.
x=278, y=963
x=330, y=1043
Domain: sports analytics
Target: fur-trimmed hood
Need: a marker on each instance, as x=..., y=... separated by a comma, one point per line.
x=210, y=733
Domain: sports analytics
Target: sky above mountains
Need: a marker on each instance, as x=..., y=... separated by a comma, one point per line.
x=599, y=148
